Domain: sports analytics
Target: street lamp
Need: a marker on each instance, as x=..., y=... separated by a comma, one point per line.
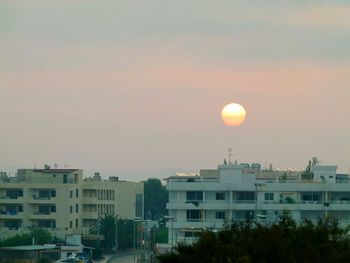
x=116, y=234
x=256, y=200
x=172, y=230
x=135, y=219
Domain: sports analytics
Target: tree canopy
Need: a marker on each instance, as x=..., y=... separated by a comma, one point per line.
x=156, y=197
x=284, y=241
x=40, y=236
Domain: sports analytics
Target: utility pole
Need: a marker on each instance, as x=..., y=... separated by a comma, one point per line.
x=256, y=201
x=116, y=234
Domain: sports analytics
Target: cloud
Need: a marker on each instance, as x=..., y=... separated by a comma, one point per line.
x=322, y=16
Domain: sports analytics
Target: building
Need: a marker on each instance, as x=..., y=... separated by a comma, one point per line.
x=213, y=198
x=62, y=201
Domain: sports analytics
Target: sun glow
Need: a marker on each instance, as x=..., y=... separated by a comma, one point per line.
x=233, y=114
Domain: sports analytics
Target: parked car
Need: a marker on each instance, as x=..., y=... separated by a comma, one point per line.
x=68, y=260
x=82, y=256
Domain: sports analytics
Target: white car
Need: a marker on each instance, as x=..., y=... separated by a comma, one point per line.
x=80, y=256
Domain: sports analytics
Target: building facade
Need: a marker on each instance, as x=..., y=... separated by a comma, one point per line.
x=62, y=201
x=236, y=193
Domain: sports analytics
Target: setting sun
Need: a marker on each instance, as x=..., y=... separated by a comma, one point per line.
x=233, y=114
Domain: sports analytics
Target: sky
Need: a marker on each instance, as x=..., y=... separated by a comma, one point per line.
x=135, y=88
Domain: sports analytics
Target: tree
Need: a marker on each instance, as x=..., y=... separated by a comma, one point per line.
x=156, y=197
x=108, y=230
x=41, y=237
x=284, y=241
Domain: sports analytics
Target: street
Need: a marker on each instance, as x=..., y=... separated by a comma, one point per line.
x=122, y=259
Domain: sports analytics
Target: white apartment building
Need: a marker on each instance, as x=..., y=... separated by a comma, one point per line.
x=213, y=198
x=61, y=201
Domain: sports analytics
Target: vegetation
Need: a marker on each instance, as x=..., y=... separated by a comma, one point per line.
x=108, y=230
x=307, y=174
x=41, y=237
x=284, y=241
x=156, y=197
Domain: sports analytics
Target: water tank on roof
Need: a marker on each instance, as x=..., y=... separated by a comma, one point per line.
x=113, y=178
x=245, y=165
x=256, y=166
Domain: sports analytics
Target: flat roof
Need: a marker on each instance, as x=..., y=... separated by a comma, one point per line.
x=28, y=248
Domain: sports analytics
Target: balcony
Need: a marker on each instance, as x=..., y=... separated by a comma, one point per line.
x=89, y=200
x=205, y=224
x=11, y=215
x=90, y=215
x=42, y=200
x=11, y=200
x=42, y=215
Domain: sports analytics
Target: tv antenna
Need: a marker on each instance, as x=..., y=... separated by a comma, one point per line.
x=230, y=155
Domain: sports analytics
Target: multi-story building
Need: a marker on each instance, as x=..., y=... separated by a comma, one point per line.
x=61, y=201
x=233, y=193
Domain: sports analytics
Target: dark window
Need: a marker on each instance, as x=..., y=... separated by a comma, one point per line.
x=194, y=196
x=70, y=224
x=65, y=177
x=311, y=196
x=71, y=209
x=77, y=208
x=13, y=224
x=71, y=194
x=193, y=215
x=20, y=192
x=20, y=208
x=246, y=196
x=139, y=205
x=53, y=193
x=76, y=193
x=53, y=209
x=76, y=222
x=220, y=215
x=269, y=196
x=220, y=196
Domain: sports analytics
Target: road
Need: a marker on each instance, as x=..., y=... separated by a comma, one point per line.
x=122, y=259
x=126, y=257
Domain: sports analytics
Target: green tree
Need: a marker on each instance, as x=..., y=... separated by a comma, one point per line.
x=41, y=237
x=156, y=197
x=284, y=241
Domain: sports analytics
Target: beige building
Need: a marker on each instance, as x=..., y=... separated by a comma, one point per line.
x=61, y=201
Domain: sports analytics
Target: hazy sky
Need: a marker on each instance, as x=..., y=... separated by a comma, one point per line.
x=132, y=87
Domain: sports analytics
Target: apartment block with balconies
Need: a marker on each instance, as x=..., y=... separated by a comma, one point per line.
x=212, y=199
x=61, y=201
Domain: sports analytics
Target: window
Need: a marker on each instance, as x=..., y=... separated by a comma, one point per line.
x=65, y=178
x=76, y=193
x=220, y=196
x=20, y=208
x=246, y=196
x=53, y=209
x=76, y=222
x=77, y=208
x=71, y=209
x=193, y=215
x=311, y=196
x=220, y=215
x=269, y=196
x=194, y=196
x=71, y=194
x=70, y=224
x=53, y=193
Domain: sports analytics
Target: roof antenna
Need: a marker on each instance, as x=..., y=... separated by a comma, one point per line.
x=229, y=156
